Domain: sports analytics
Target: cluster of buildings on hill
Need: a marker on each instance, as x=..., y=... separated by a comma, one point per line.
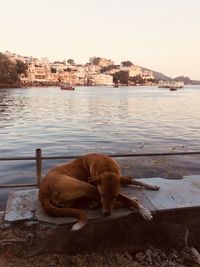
x=99, y=71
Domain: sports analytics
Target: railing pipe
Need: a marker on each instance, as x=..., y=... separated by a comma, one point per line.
x=38, y=158
x=38, y=153
x=17, y=158
x=18, y=185
x=111, y=155
x=130, y=155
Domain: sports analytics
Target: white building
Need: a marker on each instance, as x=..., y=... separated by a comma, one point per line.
x=38, y=73
x=102, y=79
x=147, y=75
x=132, y=70
x=59, y=66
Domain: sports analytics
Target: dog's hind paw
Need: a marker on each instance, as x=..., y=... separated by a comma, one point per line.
x=145, y=213
x=134, y=198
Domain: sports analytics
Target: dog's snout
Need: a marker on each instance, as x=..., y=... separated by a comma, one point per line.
x=106, y=212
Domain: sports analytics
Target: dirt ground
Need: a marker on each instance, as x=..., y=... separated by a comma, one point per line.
x=187, y=257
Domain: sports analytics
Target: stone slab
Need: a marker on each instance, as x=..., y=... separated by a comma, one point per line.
x=21, y=205
x=91, y=215
x=173, y=194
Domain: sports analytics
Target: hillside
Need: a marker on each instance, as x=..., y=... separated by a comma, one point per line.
x=158, y=75
x=187, y=80
x=161, y=76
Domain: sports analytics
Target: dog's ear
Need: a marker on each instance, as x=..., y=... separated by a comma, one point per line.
x=94, y=180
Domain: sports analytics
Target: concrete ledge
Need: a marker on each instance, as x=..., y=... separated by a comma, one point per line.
x=176, y=210
x=173, y=195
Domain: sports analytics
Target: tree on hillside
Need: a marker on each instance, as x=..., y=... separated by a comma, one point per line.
x=137, y=79
x=126, y=63
x=184, y=79
x=53, y=70
x=21, y=67
x=70, y=61
x=8, y=72
x=121, y=77
x=96, y=61
x=108, y=68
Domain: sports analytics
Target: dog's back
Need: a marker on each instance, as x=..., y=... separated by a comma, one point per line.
x=97, y=164
x=89, y=165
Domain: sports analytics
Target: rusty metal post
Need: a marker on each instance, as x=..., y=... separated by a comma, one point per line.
x=38, y=166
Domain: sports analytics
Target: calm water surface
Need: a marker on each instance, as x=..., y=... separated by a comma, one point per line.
x=100, y=119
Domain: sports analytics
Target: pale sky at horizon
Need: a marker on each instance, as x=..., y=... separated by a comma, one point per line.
x=163, y=35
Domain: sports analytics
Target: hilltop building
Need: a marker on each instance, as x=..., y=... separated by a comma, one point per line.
x=103, y=62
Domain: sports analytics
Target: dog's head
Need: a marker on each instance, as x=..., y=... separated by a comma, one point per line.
x=108, y=185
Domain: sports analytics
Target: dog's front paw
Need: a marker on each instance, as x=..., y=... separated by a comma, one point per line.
x=145, y=213
x=155, y=187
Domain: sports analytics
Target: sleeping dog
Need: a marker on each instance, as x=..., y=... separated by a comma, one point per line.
x=90, y=180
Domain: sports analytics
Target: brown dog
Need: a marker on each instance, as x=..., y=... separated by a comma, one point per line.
x=89, y=179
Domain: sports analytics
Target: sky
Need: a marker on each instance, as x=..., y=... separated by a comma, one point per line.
x=163, y=35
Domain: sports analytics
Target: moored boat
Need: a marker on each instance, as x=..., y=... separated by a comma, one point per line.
x=173, y=89
x=66, y=87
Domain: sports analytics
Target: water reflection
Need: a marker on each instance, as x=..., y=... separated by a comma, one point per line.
x=92, y=115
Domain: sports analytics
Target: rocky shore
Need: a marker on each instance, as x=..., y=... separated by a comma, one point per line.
x=9, y=86
x=31, y=84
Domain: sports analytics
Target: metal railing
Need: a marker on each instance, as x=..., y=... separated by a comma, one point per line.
x=38, y=159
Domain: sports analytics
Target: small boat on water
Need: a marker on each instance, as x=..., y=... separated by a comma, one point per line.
x=66, y=87
x=173, y=89
x=116, y=85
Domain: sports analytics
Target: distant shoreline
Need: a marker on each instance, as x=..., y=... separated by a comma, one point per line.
x=20, y=85
x=43, y=84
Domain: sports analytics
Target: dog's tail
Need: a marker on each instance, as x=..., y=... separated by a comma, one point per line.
x=66, y=212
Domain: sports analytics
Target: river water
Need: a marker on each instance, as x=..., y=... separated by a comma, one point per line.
x=93, y=119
